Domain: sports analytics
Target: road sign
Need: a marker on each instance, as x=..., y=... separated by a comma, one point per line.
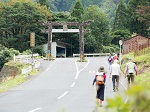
x=65, y=28
x=32, y=39
x=120, y=42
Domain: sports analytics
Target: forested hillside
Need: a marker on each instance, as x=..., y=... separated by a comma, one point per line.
x=108, y=6
x=114, y=20
x=66, y=5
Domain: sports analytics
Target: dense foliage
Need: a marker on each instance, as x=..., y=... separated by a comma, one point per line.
x=99, y=34
x=78, y=10
x=17, y=20
x=114, y=23
x=114, y=20
x=143, y=13
x=6, y=55
x=134, y=25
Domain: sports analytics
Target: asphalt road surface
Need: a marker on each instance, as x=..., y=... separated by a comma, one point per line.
x=64, y=85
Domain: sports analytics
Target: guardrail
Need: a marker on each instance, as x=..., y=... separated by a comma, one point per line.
x=26, y=70
x=20, y=57
x=92, y=54
x=37, y=64
x=27, y=59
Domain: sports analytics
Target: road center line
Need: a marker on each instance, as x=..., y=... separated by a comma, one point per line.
x=65, y=93
x=73, y=84
x=35, y=110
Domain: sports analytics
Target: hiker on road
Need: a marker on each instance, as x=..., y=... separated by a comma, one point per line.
x=110, y=61
x=115, y=57
x=130, y=71
x=115, y=74
x=100, y=79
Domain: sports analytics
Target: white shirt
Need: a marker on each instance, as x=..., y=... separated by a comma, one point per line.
x=99, y=73
x=115, y=69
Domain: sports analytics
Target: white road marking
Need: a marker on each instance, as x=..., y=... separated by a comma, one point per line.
x=107, y=63
x=123, y=85
x=77, y=74
x=76, y=66
x=125, y=89
x=19, y=87
x=76, y=77
x=35, y=110
x=72, y=85
x=65, y=93
x=48, y=68
x=85, y=66
x=126, y=99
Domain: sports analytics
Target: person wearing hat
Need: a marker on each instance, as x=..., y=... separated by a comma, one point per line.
x=100, y=79
x=115, y=73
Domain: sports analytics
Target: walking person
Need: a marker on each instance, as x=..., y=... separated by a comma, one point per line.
x=110, y=61
x=130, y=71
x=100, y=79
x=115, y=57
x=115, y=73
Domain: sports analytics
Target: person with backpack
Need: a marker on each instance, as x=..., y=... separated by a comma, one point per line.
x=100, y=79
x=115, y=73
x=130, y=70
x=110, y=61
x=115, y=57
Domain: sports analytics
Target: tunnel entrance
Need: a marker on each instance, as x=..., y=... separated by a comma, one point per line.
x=60, y=52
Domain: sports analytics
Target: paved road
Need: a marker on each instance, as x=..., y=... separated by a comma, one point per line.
x=64, y=85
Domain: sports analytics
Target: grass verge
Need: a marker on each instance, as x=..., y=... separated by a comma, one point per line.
x=9, y=82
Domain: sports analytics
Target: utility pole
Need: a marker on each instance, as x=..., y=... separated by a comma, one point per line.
x=120, y=43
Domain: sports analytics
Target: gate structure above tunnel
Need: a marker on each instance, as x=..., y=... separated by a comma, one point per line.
x=81, y=31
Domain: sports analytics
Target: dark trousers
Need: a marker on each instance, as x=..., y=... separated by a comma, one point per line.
x=130, y=78
x=100, y=91
x=115, y=80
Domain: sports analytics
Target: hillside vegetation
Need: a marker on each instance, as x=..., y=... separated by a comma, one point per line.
x=138, y=94
x=143, y=63
x=66, y=5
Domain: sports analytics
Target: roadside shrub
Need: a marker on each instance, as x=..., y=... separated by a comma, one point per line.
x=6, y=55
x=138, y=101
x=39, y=50
x=27, y=52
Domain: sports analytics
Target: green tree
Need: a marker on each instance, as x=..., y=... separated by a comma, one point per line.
x=109, y=7
x=6, y=55
x=144, y=15
x=78, y=10
x=99, y=34
x=18, y=19
x=119, y=35
x=44, y=3
x=134, y=25
x=120, y=21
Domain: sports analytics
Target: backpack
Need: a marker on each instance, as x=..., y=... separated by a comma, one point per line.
x=115, y=58
x=110, y=59
x=130, y=68
x=99, y=80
